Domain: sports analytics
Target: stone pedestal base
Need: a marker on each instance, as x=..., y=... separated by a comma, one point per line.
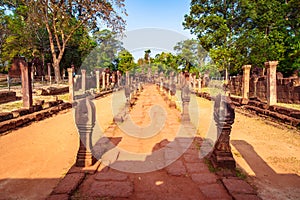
x=85, y=159
x=222, y=159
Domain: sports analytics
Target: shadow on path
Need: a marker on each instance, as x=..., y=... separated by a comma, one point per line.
x=274, y=184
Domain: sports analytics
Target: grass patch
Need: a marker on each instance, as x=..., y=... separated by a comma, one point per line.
x=64, y=97
x=210, y=166
x=7, y=107
x=286, y=105
x=240, y=174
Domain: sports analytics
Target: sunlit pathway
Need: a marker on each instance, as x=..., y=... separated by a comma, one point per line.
x=152, y=157
x=35, y=158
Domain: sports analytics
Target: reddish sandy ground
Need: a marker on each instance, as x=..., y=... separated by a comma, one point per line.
x=269, y=155
x=36, y=157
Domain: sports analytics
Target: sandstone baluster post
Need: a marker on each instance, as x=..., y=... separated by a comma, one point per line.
x=85, y=117
x=246, y=82
x=172, y=103
x=118, y=78
x=224, y=116
x=199, y=85
x=83, y=80
x=185, y=97
x=107, y=80
x=103, y=80
x=71, y=85
x=26, y=84
x=271, y=82
x=98, y=80
x=127, y=92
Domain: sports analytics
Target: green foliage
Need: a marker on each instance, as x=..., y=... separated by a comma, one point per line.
x=63, y=19
x=165, y=62
x=125, y=61
x=105, y=52
x=240, y=32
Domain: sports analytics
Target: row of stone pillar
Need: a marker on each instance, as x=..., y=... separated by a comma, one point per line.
x=106, y=83
x=271, y=67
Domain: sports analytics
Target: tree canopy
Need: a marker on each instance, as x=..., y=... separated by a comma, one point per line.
x=62, y=19
x=239, y=32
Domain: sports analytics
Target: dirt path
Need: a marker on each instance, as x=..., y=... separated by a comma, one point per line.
x=36, y=157
x=151, y=156
x=268, y=154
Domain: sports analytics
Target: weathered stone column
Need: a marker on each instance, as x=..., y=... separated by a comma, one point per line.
x=172, y=103
x=127, y=92
x=118, y=78
x=224, y=116
x=83, y=80
x=85, y=121
x=185, y=97
x=246, y=81
x=71, y=85
x=49, y=72
x=107, y=80
x=271, y=82
x=255, y=86
x=103, y=80
x=26, y=84
x=98, y=80
x=199, y=85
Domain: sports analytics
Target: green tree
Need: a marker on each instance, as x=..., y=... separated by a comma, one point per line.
x=106, y=50
x=215, y=24
x=191, y=55
x=63, y=18
x=247, y=32
x=165, y=62
x=125, y=61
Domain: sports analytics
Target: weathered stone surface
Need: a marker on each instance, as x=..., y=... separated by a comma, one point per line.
x=7, y=96
x=176, y=168
x=214, y=191
x=5, y=116
x=58, y=197
x=237, y=186
x=208, y=178
x=196, y=168
x=68, y=184
x=245, y=197
x=50, y=104
x=20, y=112
x=111, y=176
x=111, y=189
x=191, y=158
x=54, y=91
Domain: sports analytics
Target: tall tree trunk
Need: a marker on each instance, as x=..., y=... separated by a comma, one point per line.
x=56, y=70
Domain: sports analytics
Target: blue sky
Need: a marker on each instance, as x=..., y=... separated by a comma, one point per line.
x=167, y=14
x=160, y=14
